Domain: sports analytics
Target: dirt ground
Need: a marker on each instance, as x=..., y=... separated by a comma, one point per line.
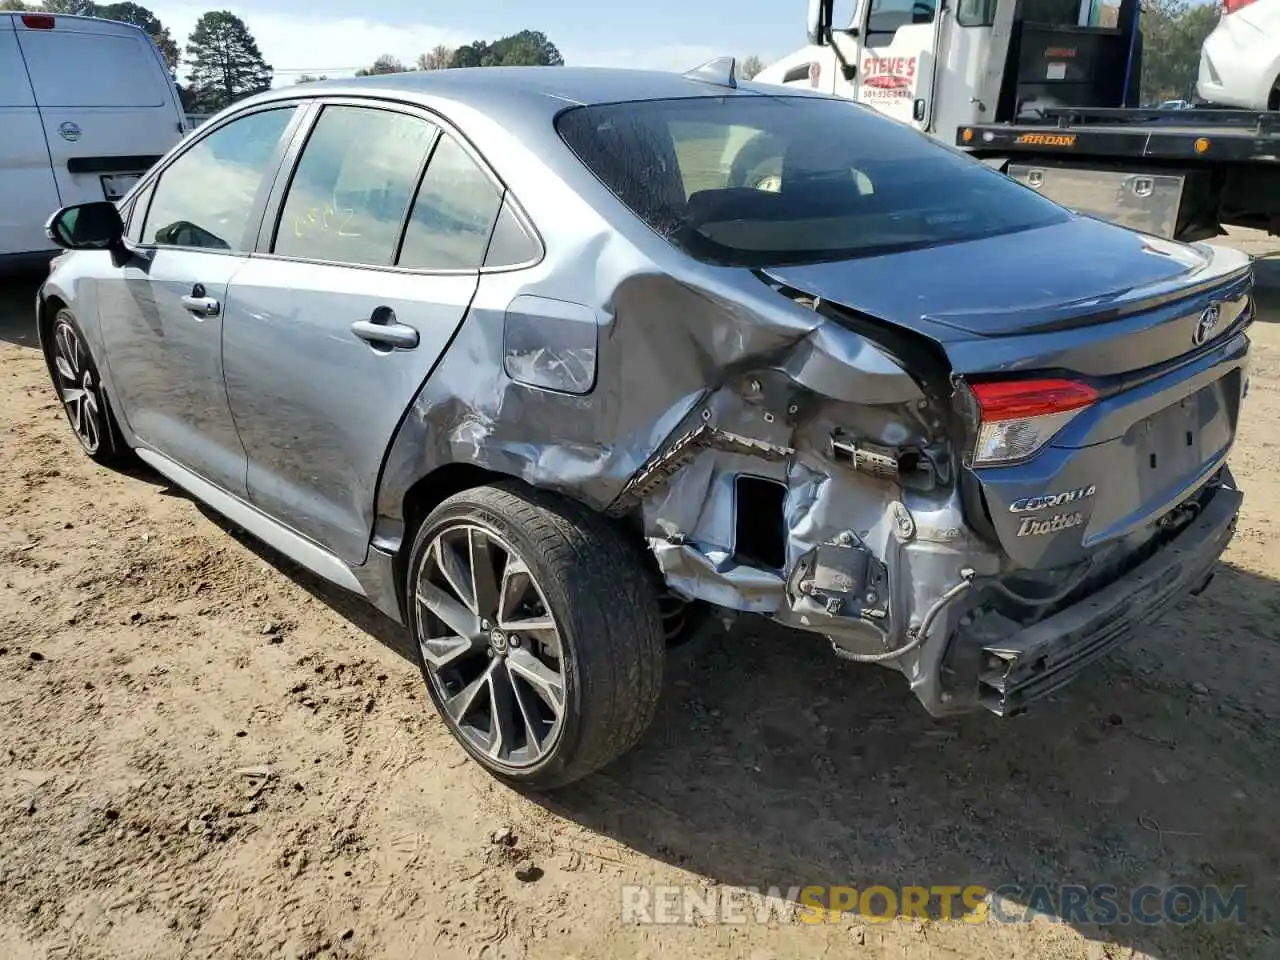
x=205, y=752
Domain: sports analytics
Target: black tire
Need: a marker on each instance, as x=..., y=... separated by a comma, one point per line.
x=79, y=386
x=598, y=591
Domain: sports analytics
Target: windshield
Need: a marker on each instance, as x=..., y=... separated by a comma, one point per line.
x=754, y=181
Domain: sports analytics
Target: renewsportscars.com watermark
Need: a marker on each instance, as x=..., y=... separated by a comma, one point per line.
x=1070, y=903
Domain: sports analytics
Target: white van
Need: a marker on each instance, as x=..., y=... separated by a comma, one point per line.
x=86, y=106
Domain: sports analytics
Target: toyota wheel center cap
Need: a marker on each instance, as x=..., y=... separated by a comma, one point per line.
x=498, y=640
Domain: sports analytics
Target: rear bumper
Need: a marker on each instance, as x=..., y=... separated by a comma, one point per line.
x=1039, y=659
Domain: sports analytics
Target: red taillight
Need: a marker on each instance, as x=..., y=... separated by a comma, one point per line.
x=1231, y=6
x=1018, y=417
x=38, y=21
x=1017, y=399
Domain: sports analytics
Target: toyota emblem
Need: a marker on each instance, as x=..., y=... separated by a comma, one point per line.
x=1205, y=326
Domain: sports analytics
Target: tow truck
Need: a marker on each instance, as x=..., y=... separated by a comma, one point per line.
x=1047, y=92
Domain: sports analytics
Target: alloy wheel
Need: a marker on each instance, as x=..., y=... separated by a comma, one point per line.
x=76, y=386
x=491, y=646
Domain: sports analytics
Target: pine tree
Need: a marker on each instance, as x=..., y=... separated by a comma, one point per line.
x=224, y=60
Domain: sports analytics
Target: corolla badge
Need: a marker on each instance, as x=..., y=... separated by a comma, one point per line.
x=69, y=131
x=1044, y=502
x=1207, y=323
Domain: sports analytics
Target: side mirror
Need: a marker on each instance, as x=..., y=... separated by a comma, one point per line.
x=813, y=26
x=87, y=226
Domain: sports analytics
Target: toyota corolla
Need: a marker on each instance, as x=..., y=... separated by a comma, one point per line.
x=549, y=364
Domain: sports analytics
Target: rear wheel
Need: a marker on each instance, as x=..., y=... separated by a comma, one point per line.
x=75, y=377
x=538, y=633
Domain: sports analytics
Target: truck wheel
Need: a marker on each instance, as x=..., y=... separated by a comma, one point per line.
x=538, y=632
x=75, y=377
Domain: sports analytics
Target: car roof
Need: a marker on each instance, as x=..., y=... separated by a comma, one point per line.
x=514, y=91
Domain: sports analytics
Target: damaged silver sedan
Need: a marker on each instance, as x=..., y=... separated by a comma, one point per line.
x=550, y=364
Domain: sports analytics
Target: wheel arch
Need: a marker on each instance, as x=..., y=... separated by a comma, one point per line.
x=424, y=495
x=47, y=307
x=433, y=488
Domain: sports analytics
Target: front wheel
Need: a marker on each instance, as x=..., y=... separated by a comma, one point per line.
x=538, y=631
x=75, y=377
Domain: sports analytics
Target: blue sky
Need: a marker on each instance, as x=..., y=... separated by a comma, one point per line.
x=335, y=37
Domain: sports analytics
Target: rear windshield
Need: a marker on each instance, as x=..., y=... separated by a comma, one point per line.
x=753, y=181
x=70, y=68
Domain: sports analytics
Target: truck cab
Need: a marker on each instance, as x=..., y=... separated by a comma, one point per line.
x=941, y=65
x=1047, y=91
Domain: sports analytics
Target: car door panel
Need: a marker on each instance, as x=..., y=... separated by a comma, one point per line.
x=166, y=361
x=161, y=314
x=317, y=405
x=326, y=341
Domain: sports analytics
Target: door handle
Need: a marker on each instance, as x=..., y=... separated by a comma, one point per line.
x=202, y=306
x=383, y=329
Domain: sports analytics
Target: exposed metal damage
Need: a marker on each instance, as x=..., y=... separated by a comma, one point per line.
x=828, y=516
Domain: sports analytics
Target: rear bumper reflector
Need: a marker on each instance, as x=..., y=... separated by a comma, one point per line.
x=1039, y=659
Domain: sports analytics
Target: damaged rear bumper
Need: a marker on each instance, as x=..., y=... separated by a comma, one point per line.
x=1037, y=660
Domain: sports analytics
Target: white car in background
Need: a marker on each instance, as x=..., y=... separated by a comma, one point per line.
x=86, y=107
x=1240, y=61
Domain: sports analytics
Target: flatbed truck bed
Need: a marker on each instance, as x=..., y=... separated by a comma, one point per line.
x=1180, y=174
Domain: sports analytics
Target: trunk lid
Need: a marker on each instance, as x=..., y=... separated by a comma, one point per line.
x=1069, y=274
x=1125, y=313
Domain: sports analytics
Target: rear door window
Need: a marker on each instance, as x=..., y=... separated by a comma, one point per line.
x=453, y=214
x=206, y=196
x=70, y=68
x=351, y=189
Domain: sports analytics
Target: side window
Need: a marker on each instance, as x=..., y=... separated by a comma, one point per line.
x=844, y=14
x=204, y=198
x=511, y=245
x=453, y=213
x=352, y=186
x=138, y=212
x=885, y=17
x=976, y=13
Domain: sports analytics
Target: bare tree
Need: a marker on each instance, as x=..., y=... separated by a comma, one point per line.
x=437, y=58
x=383, y=65
x=750, y=66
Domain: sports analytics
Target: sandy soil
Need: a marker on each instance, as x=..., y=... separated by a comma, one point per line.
x=206, y=753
